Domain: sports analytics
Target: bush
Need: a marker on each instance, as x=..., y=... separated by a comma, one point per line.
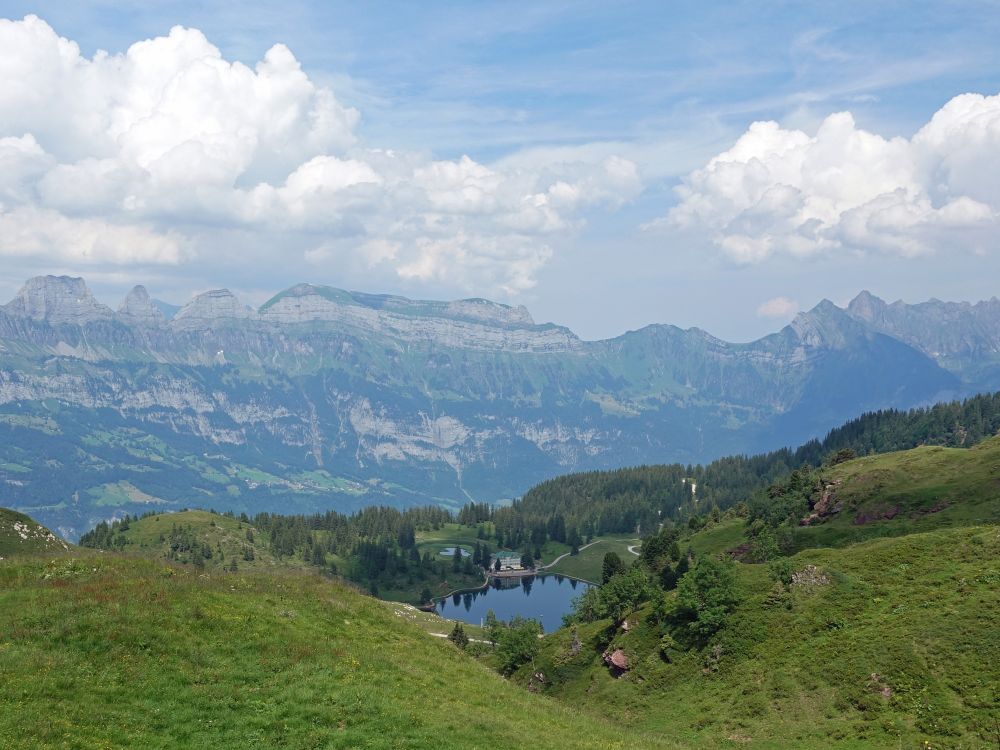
x=781, y=570
x=706, y=595
x=668, y=647
x=616, y=599
x=517, y=644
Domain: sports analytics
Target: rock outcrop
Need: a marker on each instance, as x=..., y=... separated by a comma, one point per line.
x=210, y=309
x=58, y=300
x=466, y=324
x=138, y=309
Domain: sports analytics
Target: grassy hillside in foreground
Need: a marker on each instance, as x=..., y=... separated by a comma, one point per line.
x=21, y=535
x=893, y=643
x=108, y=651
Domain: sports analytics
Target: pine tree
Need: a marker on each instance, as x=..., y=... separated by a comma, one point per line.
x=611, y=566
x=458, y=636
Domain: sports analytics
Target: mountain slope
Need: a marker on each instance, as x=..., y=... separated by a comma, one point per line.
x=324, y=398
x=20, y=535
x=884, y=644
x=211, y=541
x=961, y=337
x=880, y=631
x=167, y=657
x=904, y=492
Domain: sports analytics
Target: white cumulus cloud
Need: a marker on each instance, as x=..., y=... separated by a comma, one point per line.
x=168, y=151
x=778, y=307
x=780, y=191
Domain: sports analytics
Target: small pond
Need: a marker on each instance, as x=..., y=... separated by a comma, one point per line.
x=450, y=552
x=544, y=598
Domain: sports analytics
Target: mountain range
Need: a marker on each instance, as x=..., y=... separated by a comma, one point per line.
x=326, y=398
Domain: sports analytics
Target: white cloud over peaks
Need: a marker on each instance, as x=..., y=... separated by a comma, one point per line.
x=140, y=154
x=778, y=307
x=779, y=191
x=29, y=232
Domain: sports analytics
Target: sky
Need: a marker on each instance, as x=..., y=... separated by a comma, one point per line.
x=608, y=165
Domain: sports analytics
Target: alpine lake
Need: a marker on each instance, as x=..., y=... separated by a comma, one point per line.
x=545, y=598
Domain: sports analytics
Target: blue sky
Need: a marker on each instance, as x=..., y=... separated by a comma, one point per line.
x=543, y=94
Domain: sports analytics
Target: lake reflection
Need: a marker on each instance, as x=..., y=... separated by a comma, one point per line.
x=544, y=598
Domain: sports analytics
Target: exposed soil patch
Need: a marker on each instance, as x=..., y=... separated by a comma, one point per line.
x=878, y=684
x=739, y=553
x=879, y=513
x=936, y=508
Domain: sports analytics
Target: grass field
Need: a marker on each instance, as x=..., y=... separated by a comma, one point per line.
x=105, y=651
x=430, y=622
x=719, y=538
x=587, y=565
x=449, y=535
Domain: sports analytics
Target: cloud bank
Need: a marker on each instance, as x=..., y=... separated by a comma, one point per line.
x=168, y=152
x=844, y=189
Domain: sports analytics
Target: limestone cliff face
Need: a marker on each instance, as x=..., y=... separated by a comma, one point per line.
x=138, y=309
x=58, y=300
x=211, y=309
x=465, y=324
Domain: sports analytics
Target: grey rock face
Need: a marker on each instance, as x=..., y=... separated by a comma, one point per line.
x=58, y=300
x=213, y=308
x=490, y=312
x=466, y=324
x=138, y=309
x=962, y=337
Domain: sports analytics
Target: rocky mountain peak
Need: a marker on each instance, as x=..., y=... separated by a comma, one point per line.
x=825, y=325
x=138, y=309
x=210, y=308
x=58, y=300
x=866, y=306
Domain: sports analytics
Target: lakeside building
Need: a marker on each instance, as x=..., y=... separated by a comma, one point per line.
x=508, y=561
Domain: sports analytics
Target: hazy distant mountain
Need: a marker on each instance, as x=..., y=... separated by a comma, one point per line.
x=327, y=398
x=962, y=337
